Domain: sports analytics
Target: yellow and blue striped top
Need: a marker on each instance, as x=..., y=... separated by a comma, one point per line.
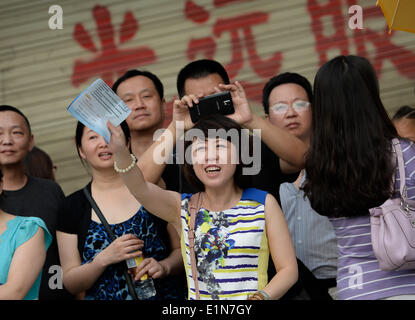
x=231, y=248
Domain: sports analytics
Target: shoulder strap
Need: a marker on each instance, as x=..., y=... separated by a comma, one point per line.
x=112, y=236
x=99, y=214
x=398, y=150
x=254, y=194
x=194, y=207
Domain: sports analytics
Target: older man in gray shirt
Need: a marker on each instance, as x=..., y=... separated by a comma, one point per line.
x=287, y=103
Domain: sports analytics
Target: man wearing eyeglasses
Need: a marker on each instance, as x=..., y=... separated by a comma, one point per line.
x=287, y=102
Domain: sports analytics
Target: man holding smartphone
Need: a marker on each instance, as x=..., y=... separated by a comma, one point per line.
x=220, y=102
x=282, y=154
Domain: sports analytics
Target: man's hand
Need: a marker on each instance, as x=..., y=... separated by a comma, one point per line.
x=181, y=110
x=243, y=113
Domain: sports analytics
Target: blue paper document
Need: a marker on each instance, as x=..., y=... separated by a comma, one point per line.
x=96, y=105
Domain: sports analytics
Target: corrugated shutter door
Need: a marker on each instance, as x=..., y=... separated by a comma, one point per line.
x=43, y=70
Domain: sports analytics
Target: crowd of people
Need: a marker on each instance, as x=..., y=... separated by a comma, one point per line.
x=297, y=229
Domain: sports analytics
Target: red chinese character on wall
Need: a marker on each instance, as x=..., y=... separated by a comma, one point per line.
x=338, y=40
x=110, y=61
x=240, y=29
x=402, y=58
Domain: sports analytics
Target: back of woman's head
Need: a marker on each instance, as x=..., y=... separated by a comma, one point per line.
x=349, y=167
x=39, y=164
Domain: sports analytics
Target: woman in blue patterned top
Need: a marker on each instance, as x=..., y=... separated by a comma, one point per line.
x=23, y=245
x=92, y=264
x=233, y=235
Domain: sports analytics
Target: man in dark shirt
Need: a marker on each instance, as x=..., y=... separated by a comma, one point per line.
x=281, y=153
x=28, y=196
x=143, y=93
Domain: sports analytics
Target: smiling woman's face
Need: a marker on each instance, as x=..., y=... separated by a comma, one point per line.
x=214, y=161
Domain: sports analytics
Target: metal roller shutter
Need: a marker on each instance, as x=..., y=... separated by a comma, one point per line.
x=42, y=70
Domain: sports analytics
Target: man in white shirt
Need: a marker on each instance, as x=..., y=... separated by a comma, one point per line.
x=287, y=100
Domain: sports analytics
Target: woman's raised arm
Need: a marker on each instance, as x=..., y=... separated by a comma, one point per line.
x=162, y=203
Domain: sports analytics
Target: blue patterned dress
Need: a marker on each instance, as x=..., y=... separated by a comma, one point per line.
x=111, y=285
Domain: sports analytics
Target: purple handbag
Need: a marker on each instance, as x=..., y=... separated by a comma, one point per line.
x=393, y=226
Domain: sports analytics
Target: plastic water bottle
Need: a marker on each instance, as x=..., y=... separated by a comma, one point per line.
x=145, y=286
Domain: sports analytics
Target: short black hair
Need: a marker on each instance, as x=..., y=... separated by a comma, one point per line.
x=200, y=69
x=283, y=78
x=5, y=107
x=219, y=122
x=134, y=73
x=404, y=112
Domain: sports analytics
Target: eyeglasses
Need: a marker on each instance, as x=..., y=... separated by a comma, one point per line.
x=298, y=106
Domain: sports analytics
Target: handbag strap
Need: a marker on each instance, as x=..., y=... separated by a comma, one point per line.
x=113, y=237
x=194, y=207
x=402, y=184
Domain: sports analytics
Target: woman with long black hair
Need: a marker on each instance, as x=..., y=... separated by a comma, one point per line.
x=350, y=169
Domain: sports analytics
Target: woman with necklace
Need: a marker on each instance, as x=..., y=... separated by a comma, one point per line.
x=232, y=227
x=91, y=262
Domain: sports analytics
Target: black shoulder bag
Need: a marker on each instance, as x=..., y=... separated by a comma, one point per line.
x=101, y=217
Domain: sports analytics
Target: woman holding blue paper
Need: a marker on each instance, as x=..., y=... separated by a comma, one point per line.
x=92, y=263
x=227, y=223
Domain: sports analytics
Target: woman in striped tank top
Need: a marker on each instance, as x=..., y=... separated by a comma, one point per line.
x=350, y=170
x=233, y=235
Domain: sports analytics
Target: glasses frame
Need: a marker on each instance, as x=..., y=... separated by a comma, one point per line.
x=292, y=105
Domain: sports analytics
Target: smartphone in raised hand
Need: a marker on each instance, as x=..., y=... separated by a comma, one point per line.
x=220, y=102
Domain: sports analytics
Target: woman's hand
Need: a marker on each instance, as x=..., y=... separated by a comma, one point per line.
x=152, y=267
x=117, y=140
x=125, y=247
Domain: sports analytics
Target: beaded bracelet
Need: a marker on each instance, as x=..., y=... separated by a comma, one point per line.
x=132, y=164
